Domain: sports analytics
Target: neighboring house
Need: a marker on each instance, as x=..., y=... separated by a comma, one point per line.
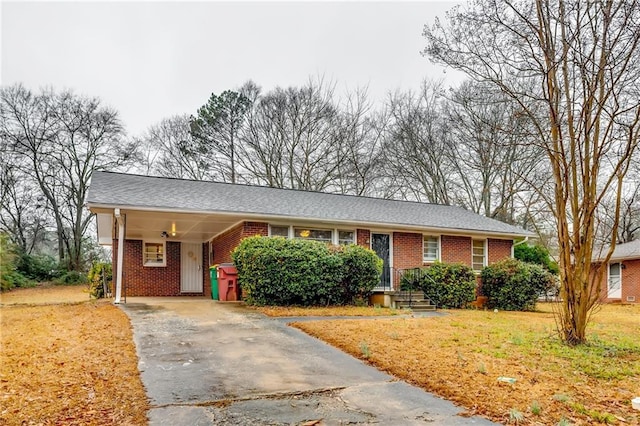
x=166, y=232
x=622, y=274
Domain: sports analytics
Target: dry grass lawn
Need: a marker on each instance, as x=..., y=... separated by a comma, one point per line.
x=329, y=311
x=45, y=293
x=460, y=357
x=67, y=364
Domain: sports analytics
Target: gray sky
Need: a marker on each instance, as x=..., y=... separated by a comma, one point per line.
x=151, y=60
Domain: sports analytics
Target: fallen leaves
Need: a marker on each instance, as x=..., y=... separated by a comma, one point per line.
x=69, y=364
x=460, y=357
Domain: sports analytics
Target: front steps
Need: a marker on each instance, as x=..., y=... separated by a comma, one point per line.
x=413, y=300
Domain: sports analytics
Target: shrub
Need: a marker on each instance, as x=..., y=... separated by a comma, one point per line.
x=10, y=277
x=361, y=269
x=71, y=278
x=277, y=271
x=447, y=285
x=535, y=254
x=513, y=285
x=37, y=267
x=100, y=274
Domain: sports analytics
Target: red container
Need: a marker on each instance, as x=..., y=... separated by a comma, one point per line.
x=228, y=282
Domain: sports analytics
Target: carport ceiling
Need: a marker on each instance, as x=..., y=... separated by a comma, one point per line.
x=187, y=226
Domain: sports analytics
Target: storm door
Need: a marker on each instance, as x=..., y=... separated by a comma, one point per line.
x=380, y=243
x=615, y=281
x=190, y=268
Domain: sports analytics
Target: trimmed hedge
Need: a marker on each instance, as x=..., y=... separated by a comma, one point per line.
x=447, y=285
x=514, y=285
x=277, y=271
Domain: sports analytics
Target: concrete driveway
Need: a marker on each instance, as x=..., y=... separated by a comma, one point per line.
x=206, y=363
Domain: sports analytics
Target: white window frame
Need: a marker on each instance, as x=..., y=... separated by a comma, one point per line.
x=484, y=254
x=145, y=261
x=336, y=234
x=438, y=248
x=289, y=228
x=313, y=228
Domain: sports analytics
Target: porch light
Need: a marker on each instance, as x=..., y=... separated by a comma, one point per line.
x=173, y=229
x=305, y=233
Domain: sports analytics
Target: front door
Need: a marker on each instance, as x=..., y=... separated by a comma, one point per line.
x=190, y=268
x=380, y=245
x=615, y=281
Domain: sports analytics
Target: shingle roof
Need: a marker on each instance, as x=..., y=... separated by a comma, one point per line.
x=630, y=250
x=158, y=193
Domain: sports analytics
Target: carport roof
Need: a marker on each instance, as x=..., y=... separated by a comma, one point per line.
x=128, y=191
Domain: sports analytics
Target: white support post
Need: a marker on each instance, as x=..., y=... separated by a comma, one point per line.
x=120, y=219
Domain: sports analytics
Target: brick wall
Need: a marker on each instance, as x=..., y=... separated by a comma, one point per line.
x=255, y=228
x=455, y=249
x=225, y=243
x=407, y=250
x=630, y=282
x=142, y=280
x=498, y=250
x=363, y=238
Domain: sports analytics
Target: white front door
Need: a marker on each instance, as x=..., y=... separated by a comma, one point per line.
x=190, y=268
x=615, y=281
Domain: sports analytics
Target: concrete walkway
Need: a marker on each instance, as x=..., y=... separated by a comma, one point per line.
x=206, y=363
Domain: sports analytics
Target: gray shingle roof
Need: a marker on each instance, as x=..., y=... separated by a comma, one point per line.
x=630, y=250
x=145, y=192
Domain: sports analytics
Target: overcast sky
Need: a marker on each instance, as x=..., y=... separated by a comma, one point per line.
x=151, y=60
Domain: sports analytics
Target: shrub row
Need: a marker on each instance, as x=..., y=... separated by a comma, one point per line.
x=277, y=271
x=510, y=284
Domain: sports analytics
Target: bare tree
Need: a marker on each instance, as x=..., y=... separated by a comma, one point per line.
x=490, y=150
x=167, y=151
x=292, y=140
x=416, y=147
x=578, y=61
x=362, y=131
x=60, y=139
x=22, y=213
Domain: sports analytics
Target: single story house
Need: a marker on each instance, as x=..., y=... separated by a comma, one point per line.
x=166, y=232
x=622, y=274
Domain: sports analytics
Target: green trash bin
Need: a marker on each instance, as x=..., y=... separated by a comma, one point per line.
x=213, y=273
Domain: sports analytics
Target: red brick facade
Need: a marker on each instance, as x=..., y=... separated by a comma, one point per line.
x=407, y=250
x=455, y=249
x=407, y=253
x=363, y=238
x=139, y=280
x=630, y=283
x=498, y=250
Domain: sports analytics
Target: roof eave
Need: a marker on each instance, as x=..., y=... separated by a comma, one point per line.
x=248, y=215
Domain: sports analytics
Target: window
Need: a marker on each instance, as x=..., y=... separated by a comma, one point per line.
x=154, y=254
x=479, y=255
x=279, y=231
x=430, y=248
x=324, y=235
x=345, y=237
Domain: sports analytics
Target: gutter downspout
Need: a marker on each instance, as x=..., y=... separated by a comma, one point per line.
x=120, y=219
x=512, y=246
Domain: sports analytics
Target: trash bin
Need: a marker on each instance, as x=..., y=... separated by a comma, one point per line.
x=228, y=282
x=213, y=274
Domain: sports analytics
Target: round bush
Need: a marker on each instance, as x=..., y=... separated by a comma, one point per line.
x=513, y=285
x=277, y=271
x=447, y=285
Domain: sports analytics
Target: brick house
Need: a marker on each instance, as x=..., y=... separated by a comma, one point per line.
x=622, y=274
x=166, y=232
